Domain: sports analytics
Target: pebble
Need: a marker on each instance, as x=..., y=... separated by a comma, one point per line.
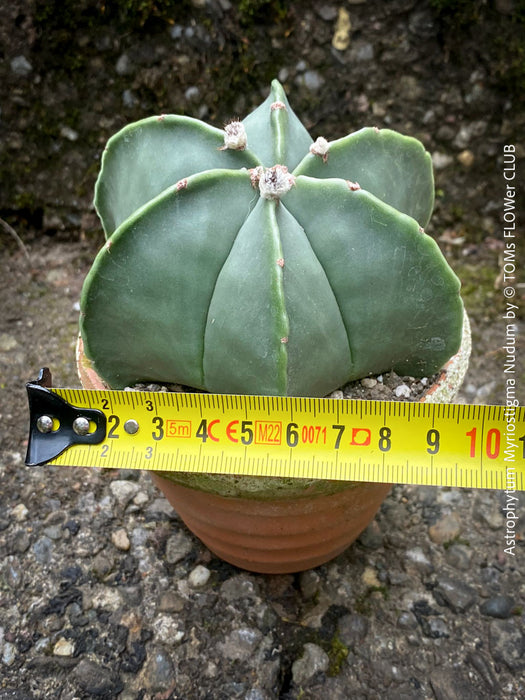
x=459, y=556
x=158, y=672
x=402, y=391
x=124, y=65
x=372, y=536
x=20, y=66
x=68, y=133
x=120, y=539
x=314, y=660
x=309, y=583
x=369, y=578
x=417, y=557
x=167, y=629
x=352, y=628
x=123, y=491
x=129, y=99
x=241, y=643
x=199, y=577
x=43, y=550
x=507, y=644
x=64, y=647
x=446, y=529
x=407, y=621
x=456, y=594
x=8, y=654
x=440, y=161
x=466, y=158
x=500, y=606
x=97, y=680
x=311, y=79
x=177, y=547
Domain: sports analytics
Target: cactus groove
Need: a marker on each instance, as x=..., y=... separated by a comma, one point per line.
x=255, y=260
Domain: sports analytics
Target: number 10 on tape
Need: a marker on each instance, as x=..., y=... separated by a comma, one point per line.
x=379, y=441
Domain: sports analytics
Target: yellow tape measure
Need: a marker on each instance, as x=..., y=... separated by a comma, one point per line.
x=378, y=441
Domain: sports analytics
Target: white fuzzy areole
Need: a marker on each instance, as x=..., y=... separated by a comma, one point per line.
x=276, y=182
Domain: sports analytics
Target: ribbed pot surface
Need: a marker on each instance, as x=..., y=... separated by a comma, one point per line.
x=281, y=536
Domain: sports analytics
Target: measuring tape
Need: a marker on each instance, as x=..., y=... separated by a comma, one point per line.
x=350, y=440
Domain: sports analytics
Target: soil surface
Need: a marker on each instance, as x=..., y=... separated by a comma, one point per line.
x=103, y=592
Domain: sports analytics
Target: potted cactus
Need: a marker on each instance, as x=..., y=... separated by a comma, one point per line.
x=253, y=259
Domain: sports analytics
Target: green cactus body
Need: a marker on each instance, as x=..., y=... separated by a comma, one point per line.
x=249, y=260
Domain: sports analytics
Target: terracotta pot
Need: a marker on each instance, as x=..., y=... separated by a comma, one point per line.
x=271, y=525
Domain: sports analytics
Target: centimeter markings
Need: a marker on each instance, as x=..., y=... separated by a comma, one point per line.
x=391, y=442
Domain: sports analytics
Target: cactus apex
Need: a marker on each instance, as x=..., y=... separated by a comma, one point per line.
x=276, y=182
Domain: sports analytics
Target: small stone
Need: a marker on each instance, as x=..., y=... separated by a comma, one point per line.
x=417, y=557
x=362, y=51
x=352, y=628
x=158, y=673
x=97, y=680
x=407, y=621
x=123, y=491
x=457, y=595
x=343, y=27
x=8, y=654
x=120, y=539
x=369, y=578
x=19, y=513
x=466, y=158
x=129, y=99
x=314, y=660
x=68, y=133
x=500, y=606
x=199, y=577
x=326, y=12
x=446, y=529
x=309, y=583
x=171, y=602
x=141, y=498
x=369, y=382
x=7, y=343
x=459, y=556
x=238, y=587
x=337, y=394
x=441, y=160
x=402, y=391
x=43, y=550
x=371, y=537
x=192, y=93
x=102, y=565
x=507, y=644
x=312, y=80
x=241, y=643
x=167, y=629
x=177, y=547
x=21, y=66
x=64, y=647
x=123, y=65
x=107, y=598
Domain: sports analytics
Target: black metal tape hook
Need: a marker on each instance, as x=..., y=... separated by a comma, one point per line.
x=55, y=425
